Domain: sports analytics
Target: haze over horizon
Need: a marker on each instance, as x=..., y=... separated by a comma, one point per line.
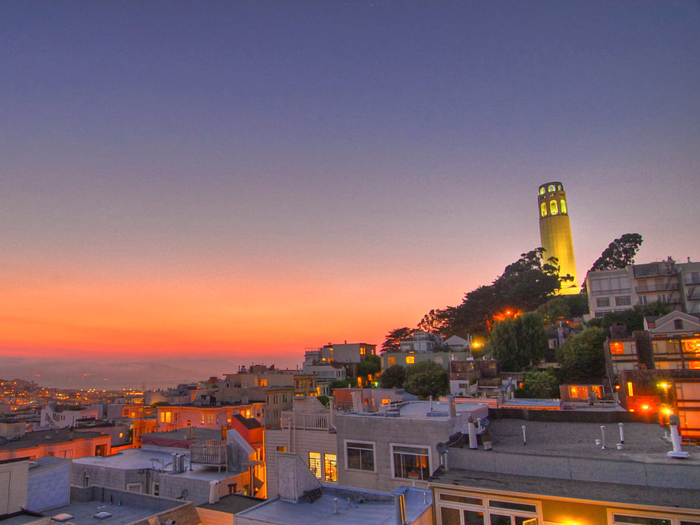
x=238, y=181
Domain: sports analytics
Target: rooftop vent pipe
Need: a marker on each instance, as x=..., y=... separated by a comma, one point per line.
x=452, y=408
x=677, y=452
x=400, y=500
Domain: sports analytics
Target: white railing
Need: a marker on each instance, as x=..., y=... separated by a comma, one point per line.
x=209, y=453
x=305, y=420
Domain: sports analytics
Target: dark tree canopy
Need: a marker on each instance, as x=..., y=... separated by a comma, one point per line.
x=393, y=338
x=619, y=254
x=539, y=385
x=525, y=285
x=393, y=377
x=633, y=319
x=370, y=366
x=582, y=357
x=518, y=344
x=426, y=379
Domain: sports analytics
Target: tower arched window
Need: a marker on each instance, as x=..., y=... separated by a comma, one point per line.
x=542, y=190
x=552, y=187
x=553, y=207
x=563, y=206
x=559, y=187
x=543, y=209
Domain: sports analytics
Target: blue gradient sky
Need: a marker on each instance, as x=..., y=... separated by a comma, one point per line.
x=252, y=178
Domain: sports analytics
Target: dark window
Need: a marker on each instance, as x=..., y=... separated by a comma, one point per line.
x=512, y=506
x=639, y=520
x=360, y=456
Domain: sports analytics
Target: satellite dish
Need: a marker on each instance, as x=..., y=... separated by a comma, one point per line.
x=441, y=448
x=485, y=422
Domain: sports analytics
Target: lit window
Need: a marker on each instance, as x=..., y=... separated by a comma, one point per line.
x=543, y=209
x=573, y=392
x=392, y=361
x=598, y=391
x=617, y=348
x=411, y=462
x=281, y=449
x=315, y=464
x=553, y=207
x=168, y=417
x=542, y=190
x=563, y=206
x=630, y=389
x=694, y=365
x=410, y=360
x=386, y=401
x=551, y=187
x=330, y=468
x=263, y=382
x=359, y=455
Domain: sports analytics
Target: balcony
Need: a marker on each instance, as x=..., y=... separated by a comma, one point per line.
x=211, y=453
x=611, y=292
x=657, y=288
x=305, y=420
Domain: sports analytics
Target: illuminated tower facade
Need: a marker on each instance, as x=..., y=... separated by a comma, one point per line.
x=555, y=232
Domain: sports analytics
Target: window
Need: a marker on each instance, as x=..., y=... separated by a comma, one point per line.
x=678, y=324
x=543, y=209
x=563, y=206
x=553, y=207
x=542, y=190
x=630, y=389
x=315, y=464
x=623, y=300
x=640, y=520
x=359, y=455
x=411, y=462
x=392, y=361
x=602, y=302
x=410, y=360
x=330, y=468
x=275, y=399
x=551, y=187
x=617, y=348
x=263, y=382
x=281, y=449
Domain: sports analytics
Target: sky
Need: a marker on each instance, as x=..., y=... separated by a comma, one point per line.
x=248, y=179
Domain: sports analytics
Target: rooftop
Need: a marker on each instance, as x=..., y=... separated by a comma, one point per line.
x=423, y=410
x=353, y=507
x=232, y=503
x=43, y=437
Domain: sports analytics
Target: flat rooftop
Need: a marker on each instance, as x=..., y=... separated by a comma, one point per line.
x=423, y=410
x=83, y=513
x=364, y=507
x=43, y=437
x=138, y=459
x=644, y=442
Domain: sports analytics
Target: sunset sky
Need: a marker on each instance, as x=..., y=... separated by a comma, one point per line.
x=251, y=178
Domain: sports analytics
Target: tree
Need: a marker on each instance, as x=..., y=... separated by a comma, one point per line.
x=619, y=254
x=426, y=379
x=393, y=339
x=518, y=343
x=503, y=346
x=370, y=366
x=393, y=377
x=582, y=357
x=435, y=322
x=533, y=338
x=633, y=319
x=539, y=385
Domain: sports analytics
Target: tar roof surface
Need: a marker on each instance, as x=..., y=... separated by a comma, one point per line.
x=565, y=488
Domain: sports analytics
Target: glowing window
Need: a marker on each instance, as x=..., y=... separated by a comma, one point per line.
x=330, y=468
x=542, y=190
x=598, y=391
x=315, y=463
x=543, y=208
x=386, y=401
x=392, y=361
x=168, y=417
x=559, y=187
x=551, y=187
x=694, y=365
x=573, y=391
x=410, y=360
x=630, y=389
x=263, y=382
x=563, y=206
x=617, y=348
x=553, y=207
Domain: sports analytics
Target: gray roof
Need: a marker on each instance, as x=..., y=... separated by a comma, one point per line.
x=233, y=503
x=577, y=489
x=42, y=437
x=365, y=507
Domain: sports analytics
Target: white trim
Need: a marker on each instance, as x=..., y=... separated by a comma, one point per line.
x=374, y=454
x=672, y=515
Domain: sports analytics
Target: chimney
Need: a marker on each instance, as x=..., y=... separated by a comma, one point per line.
x=677, y=452
x=452, y=408
x=356, y=402
x=213, y=492
x=400, y=500
x=473, y=444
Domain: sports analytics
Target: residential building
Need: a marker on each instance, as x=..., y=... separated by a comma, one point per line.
x=567, y=472
x=213, y=417
x=420, y=342
x=54, y=415
x=555, y=232
x=60, y=443
x=405, y=359
x=190, y=464
x=676, y=284
x=369, y=399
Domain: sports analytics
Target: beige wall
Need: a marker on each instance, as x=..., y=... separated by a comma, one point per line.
x=14, y=478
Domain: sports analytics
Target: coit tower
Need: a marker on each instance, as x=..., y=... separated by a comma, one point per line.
x=555, y=232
